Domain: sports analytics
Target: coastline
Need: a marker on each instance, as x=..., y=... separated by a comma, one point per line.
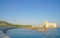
x=2, y=35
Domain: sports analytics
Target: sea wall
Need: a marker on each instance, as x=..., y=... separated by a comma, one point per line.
x=2, y=35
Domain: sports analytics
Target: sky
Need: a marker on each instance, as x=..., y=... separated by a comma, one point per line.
x=32, y=12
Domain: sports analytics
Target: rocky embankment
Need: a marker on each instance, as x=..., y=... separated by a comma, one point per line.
x=2, y=35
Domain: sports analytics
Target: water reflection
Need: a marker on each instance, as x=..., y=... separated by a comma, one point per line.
x=50, y=33
x=26, y=33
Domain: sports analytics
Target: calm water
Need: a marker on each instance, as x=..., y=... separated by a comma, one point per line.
x=25, y=33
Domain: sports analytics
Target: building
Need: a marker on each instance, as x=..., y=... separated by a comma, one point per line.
x=47, y=24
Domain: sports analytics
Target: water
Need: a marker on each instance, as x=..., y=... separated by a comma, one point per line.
x=25, y=33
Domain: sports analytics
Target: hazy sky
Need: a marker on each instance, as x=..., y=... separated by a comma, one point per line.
x=30, y=11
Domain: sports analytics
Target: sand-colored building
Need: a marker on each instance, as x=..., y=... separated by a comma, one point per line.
x=47, y=24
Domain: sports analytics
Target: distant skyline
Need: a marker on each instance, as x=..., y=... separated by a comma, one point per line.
x=32, y=12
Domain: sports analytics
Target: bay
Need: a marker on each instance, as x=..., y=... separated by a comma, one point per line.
x=26, y=33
